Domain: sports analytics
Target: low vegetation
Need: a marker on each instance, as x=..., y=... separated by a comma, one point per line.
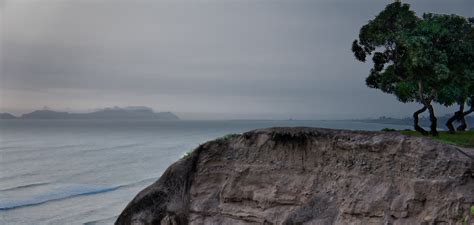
x=388, y=130
x=186, y=154
x=227, y=137
x=223, y=138
x=463, y=139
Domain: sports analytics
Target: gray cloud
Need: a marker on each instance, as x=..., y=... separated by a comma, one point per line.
x=266, y=59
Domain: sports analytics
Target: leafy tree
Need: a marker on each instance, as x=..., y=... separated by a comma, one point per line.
x=437, y=52
x=415, y=58
x=398, y=67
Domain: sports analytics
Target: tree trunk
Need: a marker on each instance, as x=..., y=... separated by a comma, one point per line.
x=416, y=119
x=463, y=125
x=462, y=118
x=434, y=121
x=458, y=116
x=417, y=113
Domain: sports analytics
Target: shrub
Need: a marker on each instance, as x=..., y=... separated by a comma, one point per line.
x=388, y=130
x=227, y=137
x=186, y=154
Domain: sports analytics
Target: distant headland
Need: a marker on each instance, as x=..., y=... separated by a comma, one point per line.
x=424, y=121
x=114, y=113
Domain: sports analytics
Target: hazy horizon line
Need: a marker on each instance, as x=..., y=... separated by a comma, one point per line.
x=183, y=115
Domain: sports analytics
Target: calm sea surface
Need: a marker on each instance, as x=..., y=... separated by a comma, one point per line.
x=85, y=172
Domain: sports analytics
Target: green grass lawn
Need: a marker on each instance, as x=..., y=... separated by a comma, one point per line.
x=463, y=139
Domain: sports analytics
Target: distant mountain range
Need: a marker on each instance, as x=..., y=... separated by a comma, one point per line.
x=115, y=113
x=7, y=116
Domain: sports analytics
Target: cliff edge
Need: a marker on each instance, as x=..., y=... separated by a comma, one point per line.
x=312, y=176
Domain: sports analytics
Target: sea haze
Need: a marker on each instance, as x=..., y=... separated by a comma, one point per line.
x=86, y=171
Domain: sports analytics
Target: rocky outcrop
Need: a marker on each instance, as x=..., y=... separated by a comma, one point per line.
x=312, y=176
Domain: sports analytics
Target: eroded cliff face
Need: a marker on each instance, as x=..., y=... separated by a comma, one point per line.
x=312, y=176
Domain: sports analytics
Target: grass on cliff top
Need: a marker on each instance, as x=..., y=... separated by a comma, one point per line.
x=223, y=138
x=227, y=137
x=463, y=139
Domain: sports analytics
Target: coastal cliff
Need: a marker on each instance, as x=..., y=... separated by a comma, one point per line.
x=312, y=176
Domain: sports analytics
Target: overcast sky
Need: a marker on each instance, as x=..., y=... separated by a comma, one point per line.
x=203, y=59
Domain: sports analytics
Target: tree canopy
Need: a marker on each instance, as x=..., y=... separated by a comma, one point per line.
x=425, y=60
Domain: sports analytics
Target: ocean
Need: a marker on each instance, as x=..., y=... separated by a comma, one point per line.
x=86, y=171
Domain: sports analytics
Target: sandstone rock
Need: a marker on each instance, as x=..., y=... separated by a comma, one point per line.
x=312, y=176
